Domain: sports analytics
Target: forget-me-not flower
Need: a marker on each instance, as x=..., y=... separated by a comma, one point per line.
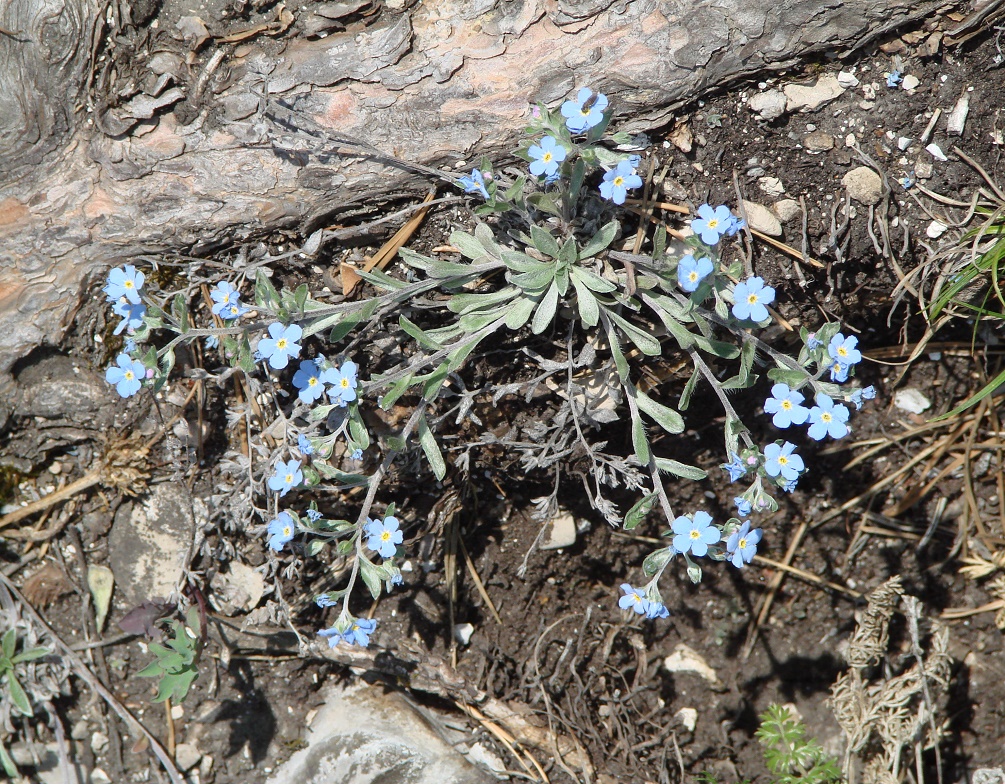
x=126, y=375
x=281, y=344
x=858, y=395
x=287, y=476
x=357, y=454
x=383, y=536
x=618, y=181
x=743, y=507
x=694, y=534
x=547, y=155
x=308, y=381
x=357, y=633
x=124, y=282
x=232, y=310
x=711, y=223
x=224, y=294
x=634, y=599
x=581, y=114
x=742, y=545
x=750, y=298
x=314, y=515
x=842, y=350
x=691, y=272
x=281, y=531
x=475, y=183
x=132, y=315
x=894, y=78
x=785, y=404
x=343, y=381
x=304, y=445
x=324, y=600
x=782, y=460
x=813, y=342
x=827, y=419
x=657, y=610
x=736, y=469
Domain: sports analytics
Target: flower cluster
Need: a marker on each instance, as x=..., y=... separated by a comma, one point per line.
x=713, y=223
x=314, y=379
x=123, y=291
x=227, y=301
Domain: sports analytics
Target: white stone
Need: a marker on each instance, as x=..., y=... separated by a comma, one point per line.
x=772, y=186
x=904, y=142
x=463, y=632
x=864, y=185
x=98, y=776
x=99, y=742
x=806, y=98
x=911, y=400
x=850, y=140
x=847, y=79
x=561, y=532
x=936, y=229
x=482, y=755
x=186, y=756
x=818, y=141
x=688, y=718
x=762, y=219
x=685, y=659
x=936, y=152
x=910, y=82
x=769, y=105
x=787, y=210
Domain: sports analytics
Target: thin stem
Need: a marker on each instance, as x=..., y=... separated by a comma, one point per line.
x=726, y=405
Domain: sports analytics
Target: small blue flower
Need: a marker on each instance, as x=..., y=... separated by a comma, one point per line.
x=750, y=298
x=743, y=507
x=126, y=283
x=789, y=486
x=126, y=376
x=736, y=469
x=619, y=181
x=812, y=342
x=690, y=273
x=397, y=579
x=324, y=600
x=695, y=534
x=343, y=381
x=288, y=475
x=212, y=341
x=313, y=515
x=281, y=530
x=894, y=78
x=308, y=381
x=742, y=545
x=657, y=610
x=711, y=224
x=304, y=445
x=782, y=460
x=580, y=114
x=223, y=295
x=475, y=183
x=547, y=155
x=232, y=310
x=132, y=315
x=357, y=633
x=634, y=599
x=827, y=419
x=357, y=454
x=866, y=393
x=784, y=403
x=842, y=349
x=839, y=372
x=384, y=536
x=130, y=346
x=736, y=226
x=281, y=344
x=906, y=182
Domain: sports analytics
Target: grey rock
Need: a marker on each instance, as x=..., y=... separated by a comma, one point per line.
x=864, y=185
x=148, y=547
x=561, y=532
x=762, y=219
x=818, y=141
x=772, y=186
x=807, y=98
x=60, y=387
x=187, y=756
x=239, y=590
x=361, y=736
x=787, y=210
x=769, y=105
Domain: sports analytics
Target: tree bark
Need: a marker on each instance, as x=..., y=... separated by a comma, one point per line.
x=194, y=163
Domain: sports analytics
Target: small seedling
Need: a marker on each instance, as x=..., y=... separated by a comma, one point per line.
x=177, y=664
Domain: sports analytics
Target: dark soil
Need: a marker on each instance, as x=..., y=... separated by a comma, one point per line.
x=562, y=646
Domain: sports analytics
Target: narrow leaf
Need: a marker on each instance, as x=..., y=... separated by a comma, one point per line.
x=432, y=450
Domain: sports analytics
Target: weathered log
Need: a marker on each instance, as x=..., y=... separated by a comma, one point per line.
x=86, y=183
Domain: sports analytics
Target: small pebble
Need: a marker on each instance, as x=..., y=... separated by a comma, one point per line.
x=910, y=82
x=936, y=229
x=936, y=152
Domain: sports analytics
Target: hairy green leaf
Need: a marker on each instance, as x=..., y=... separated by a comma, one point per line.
x=432, y=450
x=545, y=310
x=600, y=241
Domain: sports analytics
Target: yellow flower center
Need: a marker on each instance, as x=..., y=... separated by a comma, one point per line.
x=345, y=383
x=742, y=544
x=693, y=276
x=128, y=375
x=783, y=460
x=619, y=181
x=752, y=299
x=289, y=479
x=386, y=536
x=843, y=351
x=127, y=284
x=695, y=534
x=287, y=531
x=712, y=223
x=585, y=111
x=281, y=343
x=312, y=381
x=786, y=404
x=826, y=417
x=547, y=157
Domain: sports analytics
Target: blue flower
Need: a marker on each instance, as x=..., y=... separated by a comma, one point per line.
x=130, y=346
x=132, y=315
x=281, y=344
x=812, y=342
x=397, y=579
x=357, y=454
x=126, y=376
x=782, y=460
x=858, y=395
x=546, y=156
x=736, y=469
x=711, y=224
x=743, y=507
x=212, y=341
x=657, y=610
x=223, y=295
x=324, y=600
x=357, y=633
x=304, y=445
x=126, y=283
x=581, y=114
x=308, y=381
x=343, y=381
x=784, y=403
x=750, y=298
x=281, y=530
x=894, y=78
x=619, y=181
x=287, y=476
x=695, y=534
x=742, y=545
x=827, y=419
x=384, y=536
x=475, y=183
x=690, y=272
x=735, y=226
x=842, y=349
x=231, y=311
x=313, y=515
x=839, y=372
x=789, y=486
x=634, y=599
